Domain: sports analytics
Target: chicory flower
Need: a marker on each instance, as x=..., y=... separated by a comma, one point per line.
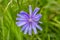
x=29, y=21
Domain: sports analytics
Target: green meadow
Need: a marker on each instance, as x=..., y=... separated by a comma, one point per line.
x=50, y=10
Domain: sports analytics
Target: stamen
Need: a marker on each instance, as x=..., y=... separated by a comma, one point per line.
x=30, y=20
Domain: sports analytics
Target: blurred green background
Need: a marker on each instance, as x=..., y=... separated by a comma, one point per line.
x=50, y=10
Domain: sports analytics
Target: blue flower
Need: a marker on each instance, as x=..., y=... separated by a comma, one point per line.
x=29, y=21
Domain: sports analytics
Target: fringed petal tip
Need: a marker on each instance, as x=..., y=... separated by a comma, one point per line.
x=30, y=9
x=37, y=8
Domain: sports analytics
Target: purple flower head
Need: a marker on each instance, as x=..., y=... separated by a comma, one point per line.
x=29, y=21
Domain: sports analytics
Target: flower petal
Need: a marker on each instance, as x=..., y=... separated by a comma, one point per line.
x=23, y=28
x=20, y=23
x=34, y=28
x=30, y=9
x=26, y=30
x=20, y=16
x=23, y=14
x=38, y=27
x=35, y=11
x=30, y=30
x=37, y=17
x=21, y=19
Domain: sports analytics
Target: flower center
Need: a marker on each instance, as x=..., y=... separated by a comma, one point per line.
x=30, y=20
